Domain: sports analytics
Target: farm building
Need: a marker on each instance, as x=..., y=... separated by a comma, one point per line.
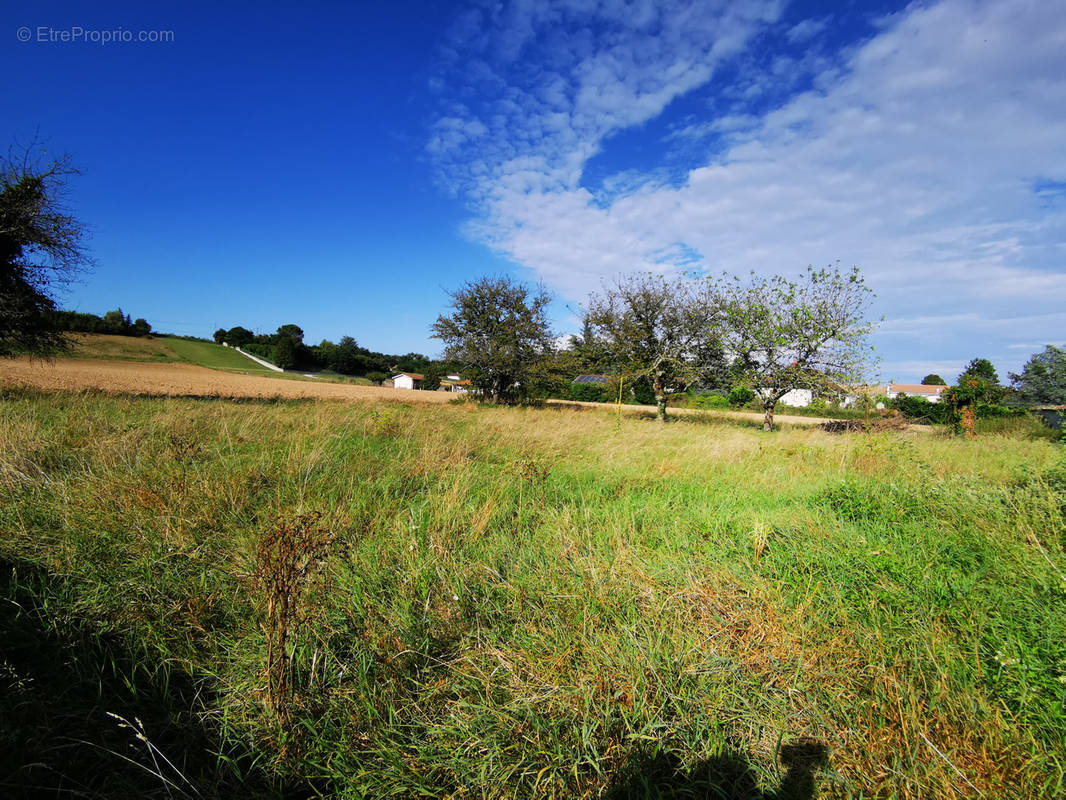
x=408, y=380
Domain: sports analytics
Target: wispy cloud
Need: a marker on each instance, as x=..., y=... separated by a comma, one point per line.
x=923, y=153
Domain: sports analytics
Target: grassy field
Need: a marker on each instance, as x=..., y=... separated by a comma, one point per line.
x=124, y=348
x=208, y=598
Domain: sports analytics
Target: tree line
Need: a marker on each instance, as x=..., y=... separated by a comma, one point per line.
x=669, y=334
x=754, y=337
x=286, y=348
x=113, y=322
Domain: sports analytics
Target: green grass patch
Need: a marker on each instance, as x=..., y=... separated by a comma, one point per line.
x=522, y=603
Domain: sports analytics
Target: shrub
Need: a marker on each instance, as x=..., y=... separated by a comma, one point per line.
x=819, y=406
x=588, y=392
x=707, y=401
x=740, y=395
x=919, y=409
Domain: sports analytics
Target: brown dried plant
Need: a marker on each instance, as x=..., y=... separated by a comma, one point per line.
x=289, y=558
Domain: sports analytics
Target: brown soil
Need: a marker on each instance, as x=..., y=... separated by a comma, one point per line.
x=185, y=380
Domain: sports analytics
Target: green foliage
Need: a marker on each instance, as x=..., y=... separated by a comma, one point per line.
x=1042, y=380
x=520, y=603
x=589, y=392
x=285, y=353
x=740, y=396
x=805, y=334
x=708, y=401
x=41, y=247
x=376, y=377
x=499, y=331
x=933, y=380
x=987, y=388
x=115, y=323
x=239, y=337
x=660, y=330
x=919, y=409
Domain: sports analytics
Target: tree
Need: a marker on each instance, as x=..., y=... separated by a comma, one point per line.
x=982, y=369
x=285, y=352
x=498, y=330
x=664, y=330
x=239, y=337
x=41, y=249
x=805, y=334
x=1042, y=380
x=141, y=327
x=988, y=388
x=117, y=323
x=346, y=356
x=933, y=380
x=220, y=336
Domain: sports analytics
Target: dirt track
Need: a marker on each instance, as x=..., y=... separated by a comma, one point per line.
x=127, y=377
x=747, y=416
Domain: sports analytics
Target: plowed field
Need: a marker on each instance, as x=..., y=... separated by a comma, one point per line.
x=186, y=380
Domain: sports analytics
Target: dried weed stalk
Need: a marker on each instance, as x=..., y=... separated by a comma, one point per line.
x=289, y=558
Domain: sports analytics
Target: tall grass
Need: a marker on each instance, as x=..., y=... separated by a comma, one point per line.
x=533, y=603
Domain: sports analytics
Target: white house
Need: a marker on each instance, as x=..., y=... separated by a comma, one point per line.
x=894, y=390
x=930, y=393
x=407, y=380
x=797, y=398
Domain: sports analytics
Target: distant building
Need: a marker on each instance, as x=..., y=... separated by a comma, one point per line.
x=797, y=398
x=894, y=390
x=454, y=383
x=408, y=380
x=592, y=379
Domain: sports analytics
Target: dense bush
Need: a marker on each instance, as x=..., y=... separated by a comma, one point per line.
x=921, y=410
x=588, y=392
x=707, y=401
x=740, y=395
x=994, y=411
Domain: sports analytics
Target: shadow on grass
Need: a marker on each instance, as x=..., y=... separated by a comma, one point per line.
x=725, y=777
x=81, y=715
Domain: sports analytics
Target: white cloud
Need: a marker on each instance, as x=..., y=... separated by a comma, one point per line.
x=917, y=158
x=807, y=29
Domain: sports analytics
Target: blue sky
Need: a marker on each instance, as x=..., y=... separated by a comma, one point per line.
x=342, y=165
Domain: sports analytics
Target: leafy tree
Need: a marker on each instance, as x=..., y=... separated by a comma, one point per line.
x=1042, y=380
x=117, y=323
x=141, y=327
x=290, y=331
x=239, y=337
x=988, y=389
x=663, y=330
x=982, y=369
x=41, y=249
x=285, y=352
x=376, y=377
x=346, y=357
x=805, y=334
x=498, y=330
x=933, y=379
x=220, y=336
x=431, y=377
